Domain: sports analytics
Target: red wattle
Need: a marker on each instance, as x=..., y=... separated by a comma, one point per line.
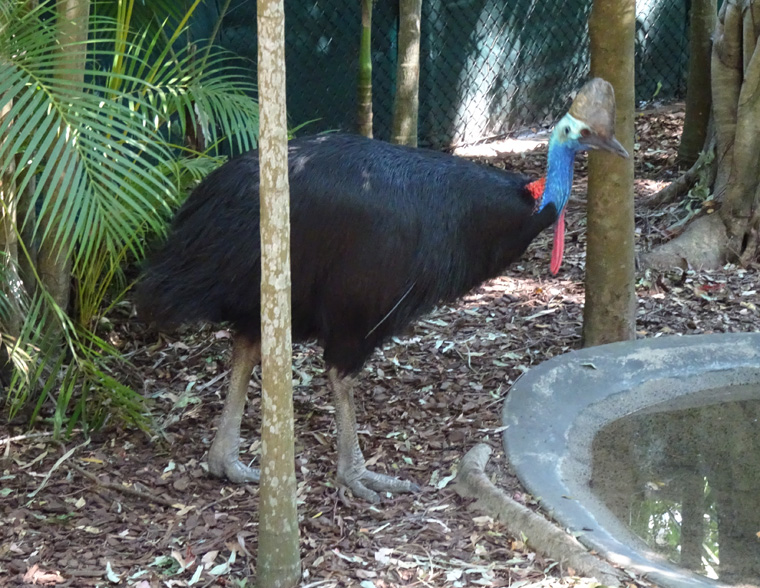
x=558, y=249
x=536, y=189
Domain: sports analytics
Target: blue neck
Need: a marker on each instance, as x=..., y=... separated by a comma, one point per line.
x=559, y=174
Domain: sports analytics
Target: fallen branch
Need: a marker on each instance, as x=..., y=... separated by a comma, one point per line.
x=520, y=521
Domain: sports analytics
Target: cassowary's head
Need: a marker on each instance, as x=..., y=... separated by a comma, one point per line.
x=590, y=122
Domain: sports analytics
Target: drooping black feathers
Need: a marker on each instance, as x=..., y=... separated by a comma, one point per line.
x=379, y=235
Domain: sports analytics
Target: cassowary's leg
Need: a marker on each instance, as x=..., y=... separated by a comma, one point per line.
x=223, y=457
x=351, y=471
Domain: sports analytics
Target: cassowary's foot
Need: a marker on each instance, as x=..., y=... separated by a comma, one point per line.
x=351, y=470
x=223, y=457
x=223, y=461
x=367, y=485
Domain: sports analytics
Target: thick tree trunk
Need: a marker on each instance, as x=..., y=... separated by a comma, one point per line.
x=742, y=186
x=54, y=260
x=732, y=235
x=278, y=558
x=364, y=115
x=609, y=311
x=698, y=94
x=407, y=99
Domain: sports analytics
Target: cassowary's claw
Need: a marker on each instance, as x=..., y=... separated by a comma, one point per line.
x=368, y=485
x=234, y=471
x=223, y=461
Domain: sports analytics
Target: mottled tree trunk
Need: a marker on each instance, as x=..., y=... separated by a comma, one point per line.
x=364, y=114
x=698, y=94
x=407, y=99
x=609, y=312
x=278, y=563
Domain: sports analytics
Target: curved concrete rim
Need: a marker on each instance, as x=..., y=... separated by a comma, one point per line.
x=554, y=411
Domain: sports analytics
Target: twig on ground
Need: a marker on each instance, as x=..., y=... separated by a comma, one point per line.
x=24, y=437
x=217, y=502
x=56, y=465
x=539, y=533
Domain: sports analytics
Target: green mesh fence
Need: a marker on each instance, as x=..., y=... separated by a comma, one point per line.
x=488, y=67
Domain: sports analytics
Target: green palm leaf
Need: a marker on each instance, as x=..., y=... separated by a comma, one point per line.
x=103, y=162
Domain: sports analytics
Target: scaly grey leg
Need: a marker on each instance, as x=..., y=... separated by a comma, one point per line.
x=223, y=457
x=351, y=470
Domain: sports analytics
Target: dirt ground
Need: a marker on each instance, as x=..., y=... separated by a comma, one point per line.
x=124, y=508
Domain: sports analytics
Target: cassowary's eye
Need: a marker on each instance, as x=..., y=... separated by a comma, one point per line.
x=567, y=130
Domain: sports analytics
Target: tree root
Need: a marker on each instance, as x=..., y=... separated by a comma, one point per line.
x=703, y=245
x=680, y=186
x=539, y=533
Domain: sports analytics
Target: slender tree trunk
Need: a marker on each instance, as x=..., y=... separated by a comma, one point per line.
x=26, y=219
x=698, y=92
x=278, y=558
x=10, y=324
x=54, y=260
x=692, y=519
x=364, y=117
x=609, y=312
x=407, y=99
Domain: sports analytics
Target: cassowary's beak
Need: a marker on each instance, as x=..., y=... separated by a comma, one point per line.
x=611, y=144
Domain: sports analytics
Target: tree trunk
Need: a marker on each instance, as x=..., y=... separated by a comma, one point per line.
x=610, y=309
x=364, y=115
x=741, y=192
x=732, y=235
x=278, y=563
x=698, y=94
x=10, y=319
x=54, y=260
x=407, y=99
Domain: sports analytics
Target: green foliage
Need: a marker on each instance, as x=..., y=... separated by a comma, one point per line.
x=114, y=147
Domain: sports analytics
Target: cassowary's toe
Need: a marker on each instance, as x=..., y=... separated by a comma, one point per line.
x=369, y=484
x=232, y=469
x=238, y=473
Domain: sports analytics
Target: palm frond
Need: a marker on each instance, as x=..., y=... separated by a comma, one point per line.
x=103, y=159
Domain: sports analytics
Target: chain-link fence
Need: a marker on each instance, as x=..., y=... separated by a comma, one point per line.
x=488, y=67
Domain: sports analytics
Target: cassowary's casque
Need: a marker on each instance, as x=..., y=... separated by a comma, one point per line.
x=379, y=235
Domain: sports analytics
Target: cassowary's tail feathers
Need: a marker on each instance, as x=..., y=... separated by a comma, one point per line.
x=209, y=267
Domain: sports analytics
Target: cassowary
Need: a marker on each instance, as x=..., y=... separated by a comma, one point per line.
x=379, y=235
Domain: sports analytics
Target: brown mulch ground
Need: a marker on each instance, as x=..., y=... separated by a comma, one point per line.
x=99, y=511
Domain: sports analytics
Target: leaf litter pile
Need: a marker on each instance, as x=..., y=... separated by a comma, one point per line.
x=126, y=508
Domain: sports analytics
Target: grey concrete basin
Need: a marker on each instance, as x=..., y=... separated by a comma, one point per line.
x=554, y=411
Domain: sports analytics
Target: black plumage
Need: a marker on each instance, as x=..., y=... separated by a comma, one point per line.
x=379, y=235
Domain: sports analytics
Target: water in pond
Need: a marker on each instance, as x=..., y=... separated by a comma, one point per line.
x=687, y=481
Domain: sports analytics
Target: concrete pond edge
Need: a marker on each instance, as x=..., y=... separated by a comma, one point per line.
x=552, y=414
